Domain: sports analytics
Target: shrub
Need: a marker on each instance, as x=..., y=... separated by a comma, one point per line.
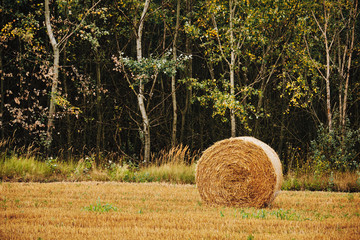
x=335, y=150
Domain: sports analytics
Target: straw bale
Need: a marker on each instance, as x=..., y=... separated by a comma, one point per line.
x=241, y=172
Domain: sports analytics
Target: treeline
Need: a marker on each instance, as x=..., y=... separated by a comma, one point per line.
x=124, y=79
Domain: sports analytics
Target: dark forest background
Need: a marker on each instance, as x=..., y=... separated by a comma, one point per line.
x=284, y=71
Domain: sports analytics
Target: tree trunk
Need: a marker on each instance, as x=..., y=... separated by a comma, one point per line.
x=98, y=110
x=232, y=70
x=327, y=82
x=188, y=74
x=140, y=96
x=326, y=74
x=68, y=119
x=2, y=81
x=2, y=97
x=55, y=77
x=259, y=105
x=173, y=78
x=353, y=14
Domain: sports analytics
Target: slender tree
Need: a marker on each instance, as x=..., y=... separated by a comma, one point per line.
x=2, y=99
x=333, y=21
x=140, y=96
x=54, y=70
x=173, y=78
x=345, y=57
x=54, y=76
x=234, y=45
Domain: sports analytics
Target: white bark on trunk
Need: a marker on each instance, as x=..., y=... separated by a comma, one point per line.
x=55, y=76
x=327, y=74
x=353, y=15
x=140, y=96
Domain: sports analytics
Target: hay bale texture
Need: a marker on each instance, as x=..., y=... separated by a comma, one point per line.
x=241, y=172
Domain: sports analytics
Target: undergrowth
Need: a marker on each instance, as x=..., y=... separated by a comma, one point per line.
x=174, y=166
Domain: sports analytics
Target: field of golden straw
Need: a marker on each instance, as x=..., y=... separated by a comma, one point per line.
x=99, y=210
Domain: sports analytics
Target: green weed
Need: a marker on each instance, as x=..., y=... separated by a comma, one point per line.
x=99, y=207
x=250, y=237
x=222, y=214
x=3, y=202
x=265, y=214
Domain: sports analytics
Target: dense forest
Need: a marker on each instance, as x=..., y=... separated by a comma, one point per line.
x=125, y=79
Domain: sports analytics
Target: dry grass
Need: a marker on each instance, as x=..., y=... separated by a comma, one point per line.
x=177, y=165
x=176, y=155
x=170, y=172
x=164, y=211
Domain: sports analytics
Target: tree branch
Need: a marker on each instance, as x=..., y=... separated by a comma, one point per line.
x=66, y=37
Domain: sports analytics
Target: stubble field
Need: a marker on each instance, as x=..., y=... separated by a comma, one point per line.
x=97, y=210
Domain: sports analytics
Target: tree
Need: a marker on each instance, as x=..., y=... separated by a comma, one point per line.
x=145, y=70
x=232, y=34
x=173, y=78
x=333, y=34
x=140, y=95
x=54, y=74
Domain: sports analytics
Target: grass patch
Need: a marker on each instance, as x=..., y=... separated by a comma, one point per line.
x=176, y=165
x=170, y=172
x=333, y=181
x=24, y=169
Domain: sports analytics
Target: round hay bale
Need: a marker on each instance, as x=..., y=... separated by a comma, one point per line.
x=241, y=172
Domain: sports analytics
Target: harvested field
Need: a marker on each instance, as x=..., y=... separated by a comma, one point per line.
x=92, y=210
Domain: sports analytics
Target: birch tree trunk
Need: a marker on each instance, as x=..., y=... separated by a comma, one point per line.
x=327, y=80
x=54, y=78
x=140, y=96
x=230, y=63
x=326, y=74
x=2, y=97
x=354, y=12
x=173, y=78
x=232, y=70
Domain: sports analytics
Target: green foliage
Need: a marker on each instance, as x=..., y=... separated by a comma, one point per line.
x=52, y=164
x=280, y=214
x=100, y=207
x=149, y=68
x=216, y=94
x=84, y=166
x=279, y=69
x=335, y=150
